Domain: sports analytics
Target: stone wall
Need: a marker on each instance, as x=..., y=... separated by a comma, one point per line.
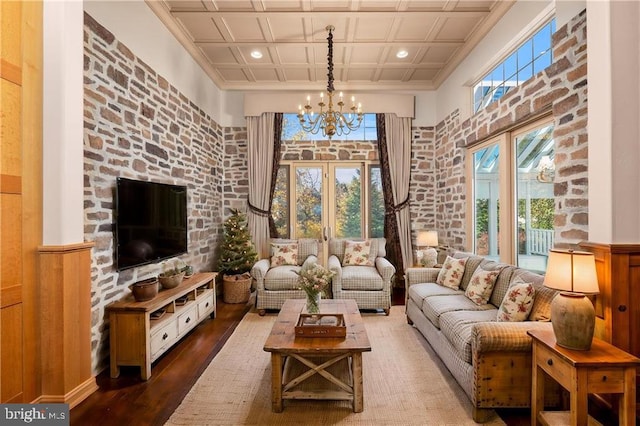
x=138, y=125
x=561, y=89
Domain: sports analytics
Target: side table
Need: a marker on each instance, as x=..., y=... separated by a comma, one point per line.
x=602, y=369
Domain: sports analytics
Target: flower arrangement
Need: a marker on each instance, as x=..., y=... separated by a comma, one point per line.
x=314, y=280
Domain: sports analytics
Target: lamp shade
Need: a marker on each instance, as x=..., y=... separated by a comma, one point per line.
x=427, y=238
x=573, y=271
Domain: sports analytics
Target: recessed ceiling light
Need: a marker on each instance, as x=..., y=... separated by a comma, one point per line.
x=256, y=54
x=402, y=54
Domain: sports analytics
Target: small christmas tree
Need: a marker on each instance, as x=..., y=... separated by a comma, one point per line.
x=237, y=254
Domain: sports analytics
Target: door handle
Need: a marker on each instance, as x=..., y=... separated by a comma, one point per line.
x=324, y=233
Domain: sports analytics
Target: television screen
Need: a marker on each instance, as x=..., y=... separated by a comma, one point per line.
x=151, y=222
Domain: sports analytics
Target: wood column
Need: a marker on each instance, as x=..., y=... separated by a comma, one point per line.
x=65, y=315
x=20, y=197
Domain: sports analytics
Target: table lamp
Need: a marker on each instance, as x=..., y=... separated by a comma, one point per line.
x=572, y=314
x=429, y=256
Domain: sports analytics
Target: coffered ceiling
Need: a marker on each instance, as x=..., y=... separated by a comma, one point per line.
x=291, y=36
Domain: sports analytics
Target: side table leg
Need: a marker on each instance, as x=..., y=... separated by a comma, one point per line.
x=276, y=382
x=537, y=389
x=627, y=402
x=579, y=399
x=358, y=397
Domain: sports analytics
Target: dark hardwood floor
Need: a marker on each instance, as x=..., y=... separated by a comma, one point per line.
x=130, y=400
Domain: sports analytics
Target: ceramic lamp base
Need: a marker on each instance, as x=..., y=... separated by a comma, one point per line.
x=573, y=319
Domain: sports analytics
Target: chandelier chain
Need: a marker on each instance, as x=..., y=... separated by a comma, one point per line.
x=330, y=121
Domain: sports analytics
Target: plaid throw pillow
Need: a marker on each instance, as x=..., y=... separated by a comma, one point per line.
x=357, y=253
x=284, y=254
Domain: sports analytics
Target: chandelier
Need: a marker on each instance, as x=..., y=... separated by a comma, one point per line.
x=328, y=120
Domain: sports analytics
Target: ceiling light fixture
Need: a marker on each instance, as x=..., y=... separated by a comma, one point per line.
x=330, y=122
x=402, y=54
x=256, y=54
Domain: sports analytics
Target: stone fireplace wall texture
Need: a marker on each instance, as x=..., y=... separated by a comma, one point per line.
x=137, y=125
x=561, y=89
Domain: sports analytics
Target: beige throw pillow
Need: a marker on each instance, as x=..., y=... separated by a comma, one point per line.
x=451, y=273
x=517, y=303
x=357, y=253
x=481, y=285
x=284, y=254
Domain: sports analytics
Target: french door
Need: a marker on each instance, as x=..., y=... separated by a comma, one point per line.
x=324, y=200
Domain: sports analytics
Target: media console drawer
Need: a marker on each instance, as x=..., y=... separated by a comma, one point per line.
x=140, y=332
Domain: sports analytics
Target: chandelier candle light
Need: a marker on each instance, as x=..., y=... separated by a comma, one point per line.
x=572, y=313
x=330, y=121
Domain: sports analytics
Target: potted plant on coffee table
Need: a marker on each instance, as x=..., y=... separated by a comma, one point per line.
x=237, y=256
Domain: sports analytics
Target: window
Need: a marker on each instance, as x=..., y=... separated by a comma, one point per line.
x=291, y=130
x=512, y=191
x=531, y=57
x=341, y=199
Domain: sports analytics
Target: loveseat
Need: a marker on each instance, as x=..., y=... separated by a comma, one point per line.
x=490, y=359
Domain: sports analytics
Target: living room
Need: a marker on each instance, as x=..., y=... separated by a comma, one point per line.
x=149, y=112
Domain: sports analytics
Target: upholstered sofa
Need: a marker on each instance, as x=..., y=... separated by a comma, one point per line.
x=490, y=359
x=277, y=283
x=369, y=283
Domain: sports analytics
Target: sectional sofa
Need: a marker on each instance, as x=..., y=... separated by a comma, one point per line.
x=490, y=359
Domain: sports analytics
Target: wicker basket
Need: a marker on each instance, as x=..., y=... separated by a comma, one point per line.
x=236, y=288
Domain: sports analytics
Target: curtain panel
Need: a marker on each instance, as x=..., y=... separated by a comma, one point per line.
x=394, y=145
x=263, y=139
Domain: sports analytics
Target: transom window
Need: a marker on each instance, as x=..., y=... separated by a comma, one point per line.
x=291, y=130
x=531, y=57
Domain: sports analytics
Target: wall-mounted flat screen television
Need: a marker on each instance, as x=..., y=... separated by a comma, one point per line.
x=151, y=222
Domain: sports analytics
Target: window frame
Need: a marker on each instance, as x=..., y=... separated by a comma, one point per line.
x=507, y=175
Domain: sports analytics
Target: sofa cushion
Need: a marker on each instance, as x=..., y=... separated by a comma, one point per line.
x=481, y=285
x=473, y=261
x=284, y=254
x=337, y=247
x=451, y=272
x=418, y=292
x=361, y=278
x=502, y=283
x=282, y=278
x=357, y=253
x=457, y=327
x=517, y=303
x=434, y=306
x=306, y=247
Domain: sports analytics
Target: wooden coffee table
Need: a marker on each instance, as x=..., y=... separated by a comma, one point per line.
x=317, y=367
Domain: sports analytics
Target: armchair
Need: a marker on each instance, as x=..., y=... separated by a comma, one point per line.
x=276, y=278
x=362, y=272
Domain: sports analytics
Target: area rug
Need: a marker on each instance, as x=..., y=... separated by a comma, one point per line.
x=404, y=383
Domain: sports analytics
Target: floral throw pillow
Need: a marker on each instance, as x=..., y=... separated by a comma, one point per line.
x=517, y=303
x=357, y=253
x=481, y=285
x=284, y=254
x=451, y=272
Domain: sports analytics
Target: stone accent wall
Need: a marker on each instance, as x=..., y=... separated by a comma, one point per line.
x=138, y=125
x=423, y=180
x=334, y=150
x=561, y=89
